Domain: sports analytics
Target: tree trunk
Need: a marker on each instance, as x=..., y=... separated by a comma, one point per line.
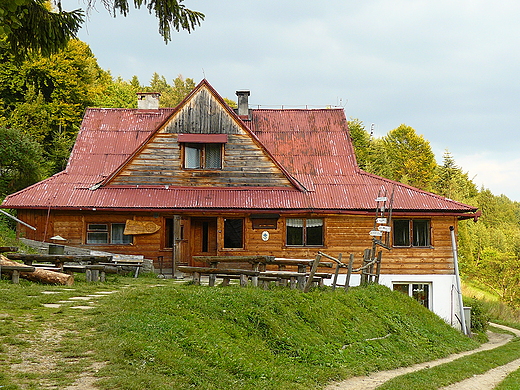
x=41, y=275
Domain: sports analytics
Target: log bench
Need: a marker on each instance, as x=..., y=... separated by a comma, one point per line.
x=15, y=270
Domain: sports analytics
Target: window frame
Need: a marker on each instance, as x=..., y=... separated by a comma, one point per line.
x=107, y=229
x=203, y=155
x=225, y=235
x=305, y=229
x=413, y=292
x=413, y=235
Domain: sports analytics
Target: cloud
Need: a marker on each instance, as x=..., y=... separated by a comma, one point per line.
x=494, y=172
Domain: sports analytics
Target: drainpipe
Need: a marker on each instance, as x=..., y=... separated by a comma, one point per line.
x=457, y=281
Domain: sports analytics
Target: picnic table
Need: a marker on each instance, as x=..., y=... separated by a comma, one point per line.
x=218, y=268
x=91, y=265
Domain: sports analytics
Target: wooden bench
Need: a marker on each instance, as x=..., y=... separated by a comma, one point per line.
x=15, y=271
x=120, y=264
x=242, y=274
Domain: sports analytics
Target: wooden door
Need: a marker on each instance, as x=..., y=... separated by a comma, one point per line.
x=180, y=247
x=203, y=238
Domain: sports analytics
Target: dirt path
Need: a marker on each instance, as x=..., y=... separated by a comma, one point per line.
x=490, y=379
x=486, y=381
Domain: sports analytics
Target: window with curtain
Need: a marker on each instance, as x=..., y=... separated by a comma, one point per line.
x=107, y=233
x=304, y=231
x=203, y=156
x=411, y=233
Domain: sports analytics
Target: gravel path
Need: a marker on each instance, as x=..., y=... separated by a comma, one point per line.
x=486, y=381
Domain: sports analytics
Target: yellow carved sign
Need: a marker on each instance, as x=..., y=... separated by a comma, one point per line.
x=140, y=227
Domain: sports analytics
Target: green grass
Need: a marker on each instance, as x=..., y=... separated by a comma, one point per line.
x=510, y=383
x=163, y=335
x=456, y=371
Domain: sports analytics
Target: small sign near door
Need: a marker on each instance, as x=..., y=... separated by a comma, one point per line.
x=265, y=235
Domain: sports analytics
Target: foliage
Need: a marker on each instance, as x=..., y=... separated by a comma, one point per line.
x=21, y=161
x=171, y=95
x=45, y=97
x=31, y=26
x=170, y=13
x=401, y=155
x=118, y=93
x=410, y=158
x=479, y=316
x=451, y=182
x=360, y=141
x=34, y=27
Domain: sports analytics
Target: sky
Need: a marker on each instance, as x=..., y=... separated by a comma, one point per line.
x=447, y=68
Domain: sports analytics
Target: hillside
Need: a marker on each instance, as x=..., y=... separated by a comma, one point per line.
x=169, y=335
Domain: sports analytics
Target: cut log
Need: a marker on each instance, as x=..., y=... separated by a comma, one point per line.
x=41, y=275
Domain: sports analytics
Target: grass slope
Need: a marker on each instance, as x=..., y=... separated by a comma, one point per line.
x=230, y=338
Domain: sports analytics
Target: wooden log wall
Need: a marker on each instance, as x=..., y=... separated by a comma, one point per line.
x=244, y=164
x=344, y=234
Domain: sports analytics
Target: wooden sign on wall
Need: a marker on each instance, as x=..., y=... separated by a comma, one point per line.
x=140, y=227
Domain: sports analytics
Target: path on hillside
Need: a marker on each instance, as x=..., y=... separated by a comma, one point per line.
x=486, y=381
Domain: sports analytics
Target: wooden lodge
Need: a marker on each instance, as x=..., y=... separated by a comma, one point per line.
x=202, y=179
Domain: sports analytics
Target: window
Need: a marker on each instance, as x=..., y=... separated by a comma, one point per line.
x=202, y=156
x=233, y=233
x=107, y=233
x=412, y=232
x=419, y=291
x=304, y=231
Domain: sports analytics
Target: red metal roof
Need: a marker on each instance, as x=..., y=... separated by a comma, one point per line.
x=313, y=146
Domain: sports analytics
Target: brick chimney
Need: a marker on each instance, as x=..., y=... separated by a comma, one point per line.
x=243, y=104
x=148, y=100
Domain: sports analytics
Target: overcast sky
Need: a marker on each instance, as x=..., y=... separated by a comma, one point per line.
x=447, y=68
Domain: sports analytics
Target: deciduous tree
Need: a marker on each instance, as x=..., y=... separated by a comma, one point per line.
x=21, y=161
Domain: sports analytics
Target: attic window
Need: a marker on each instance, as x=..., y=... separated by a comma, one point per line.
x=203, y=156
x=202, y=151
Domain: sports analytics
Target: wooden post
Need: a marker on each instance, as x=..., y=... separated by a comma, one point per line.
x=336, y=273
x=378, y=266
x=243, y=280
x=212, y=277
x=312, y=272
x=349, y=271
x=15, y=277
x=366, y=260
x=196, y=278
x=254, y=279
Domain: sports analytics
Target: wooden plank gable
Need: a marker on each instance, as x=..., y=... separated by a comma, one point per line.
x=245, y=162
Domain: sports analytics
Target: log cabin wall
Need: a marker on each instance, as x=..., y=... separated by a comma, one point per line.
x=160, y=163
x=244, y=161
x=343, y=234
